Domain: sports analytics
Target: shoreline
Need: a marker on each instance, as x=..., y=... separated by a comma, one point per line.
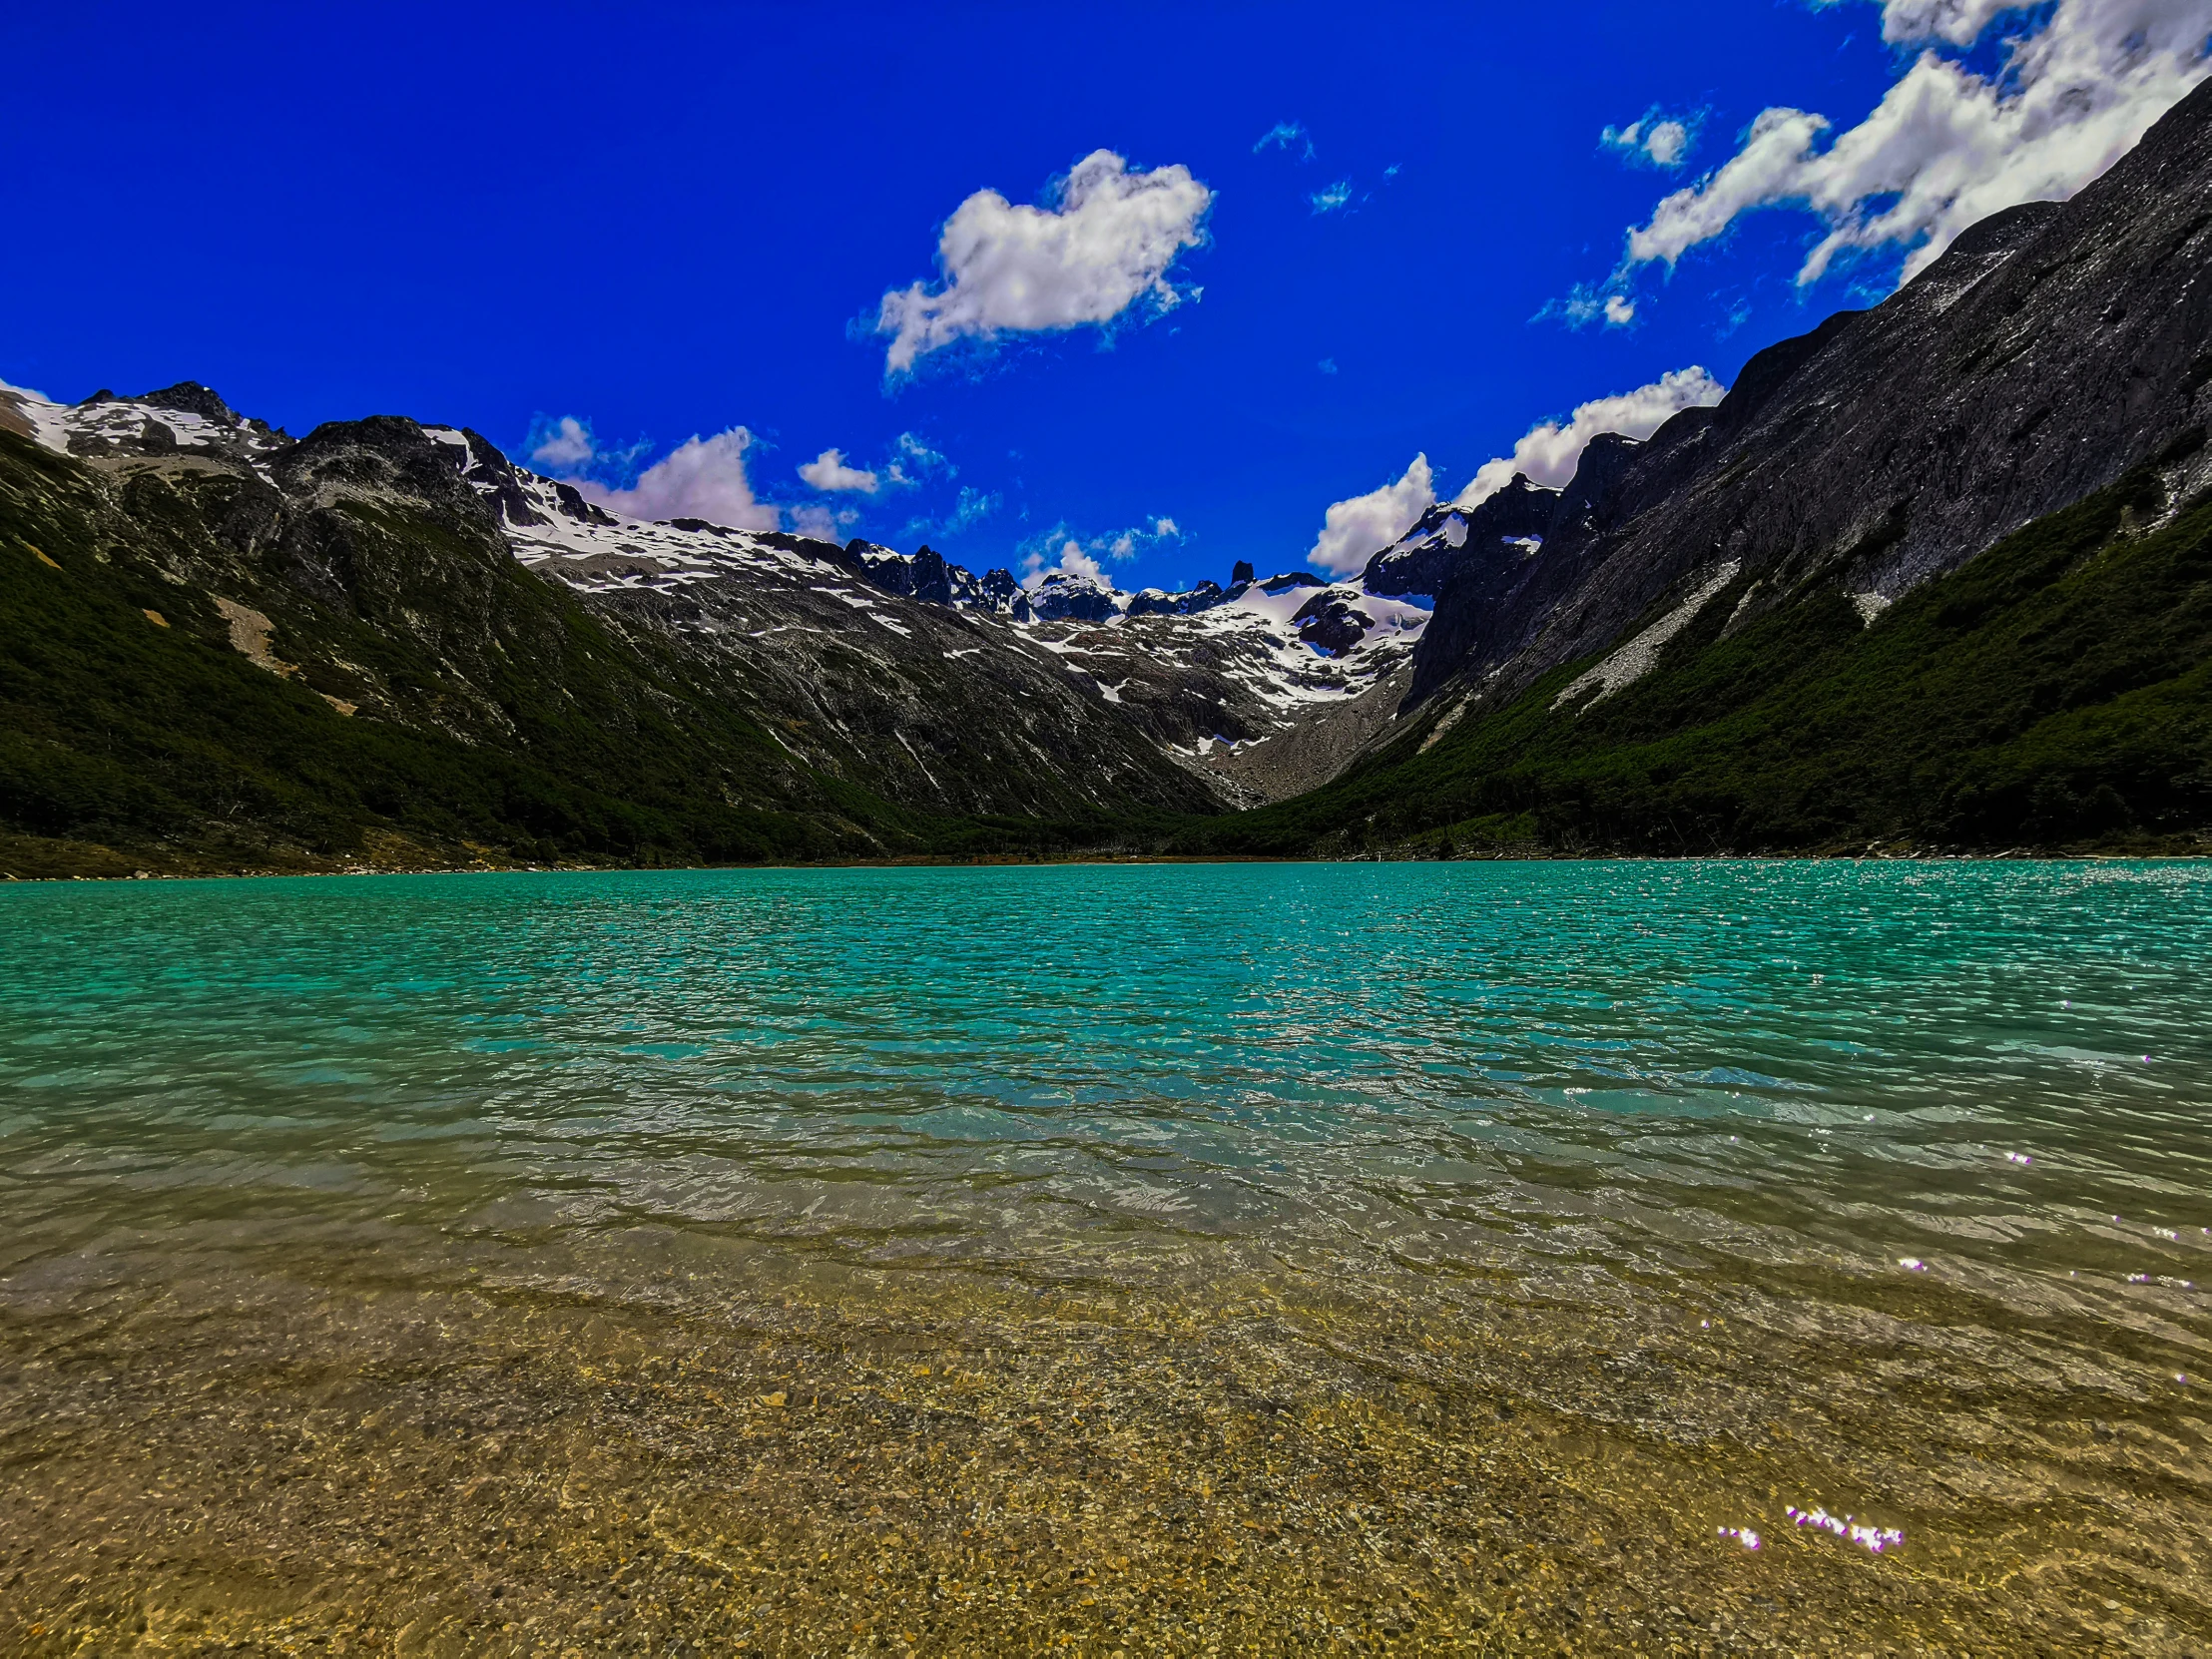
x=115, y=866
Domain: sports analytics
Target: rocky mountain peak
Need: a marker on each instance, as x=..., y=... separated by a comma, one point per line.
x=190, y=398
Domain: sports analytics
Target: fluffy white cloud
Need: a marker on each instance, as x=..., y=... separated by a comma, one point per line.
x=563, y=446
x=569, y=448
x=1655, y=139
x=1104, y=244
x=1551, y=450
x=824, y=523
x=827, y=472
x=700, y=478
x=1958, y=21
x=1354, y=531
x=1066, y=559
x=1949, y=146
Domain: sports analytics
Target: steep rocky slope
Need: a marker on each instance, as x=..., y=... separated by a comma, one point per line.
x=904, y=676
x=1934, y=574
x=245, y=650
x=1269, y=684
x=2051, y=350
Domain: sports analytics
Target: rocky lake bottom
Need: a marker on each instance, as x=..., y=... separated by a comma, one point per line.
x=1697, y=1258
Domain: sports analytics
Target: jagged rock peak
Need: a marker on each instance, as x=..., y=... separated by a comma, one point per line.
x=1448, y=535
x=191, y=397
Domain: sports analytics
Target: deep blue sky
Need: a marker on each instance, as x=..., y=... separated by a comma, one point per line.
x=666, y=218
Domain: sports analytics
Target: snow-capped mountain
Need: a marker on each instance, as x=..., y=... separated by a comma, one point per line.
x=865, y=660
x=186, y=419
x=1269, y=686
x=1218, y=678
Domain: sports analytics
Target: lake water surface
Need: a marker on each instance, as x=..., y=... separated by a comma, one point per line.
x=1168, y=1258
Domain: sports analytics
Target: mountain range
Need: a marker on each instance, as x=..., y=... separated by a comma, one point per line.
x=1934, y=576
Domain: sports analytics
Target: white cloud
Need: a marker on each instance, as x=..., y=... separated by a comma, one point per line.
x=1333, y=197
x=1104, y=245
x=1654, y=139
x=823, y=522
x=1068, y=559
x=915, y=461
x=1949, y=146
x=1585, y=304
x=1958, y=21
x=1667, y=142
x=971, y=509
x=565, y=446
x=1354, y=531
x=1551, y=450
x=828, y=471
x=569, y=448
x=1286, y=135
x=1059, y=548
x=700, y=478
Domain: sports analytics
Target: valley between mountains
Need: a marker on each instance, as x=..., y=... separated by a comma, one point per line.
x=1935, y=575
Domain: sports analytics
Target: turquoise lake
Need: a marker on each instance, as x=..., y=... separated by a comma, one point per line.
x=1889, y=1179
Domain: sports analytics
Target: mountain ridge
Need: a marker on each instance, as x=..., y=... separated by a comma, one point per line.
x=1746, y=633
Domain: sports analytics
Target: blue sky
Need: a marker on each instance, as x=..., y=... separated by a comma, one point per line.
x=674, y=219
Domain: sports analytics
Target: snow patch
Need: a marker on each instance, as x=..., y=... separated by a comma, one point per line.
x=452, y=439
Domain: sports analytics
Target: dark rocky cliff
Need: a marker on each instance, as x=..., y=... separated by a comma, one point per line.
x=2051, y=349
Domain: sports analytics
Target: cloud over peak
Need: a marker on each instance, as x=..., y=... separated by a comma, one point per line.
x=700, y=478
x=563, y=445
x=1551, y=451
x=973, y=507
x=1103, y=245
x=1060, y=551
x=1354, y=530
x=1949, y=145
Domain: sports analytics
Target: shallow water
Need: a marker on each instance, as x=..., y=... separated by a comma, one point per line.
x=1361, y=1256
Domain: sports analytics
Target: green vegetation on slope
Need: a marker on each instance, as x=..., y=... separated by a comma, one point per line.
x=158, y=741
x=2054, y=691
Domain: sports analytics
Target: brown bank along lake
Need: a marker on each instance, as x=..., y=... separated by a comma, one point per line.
x=1684, y=1258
